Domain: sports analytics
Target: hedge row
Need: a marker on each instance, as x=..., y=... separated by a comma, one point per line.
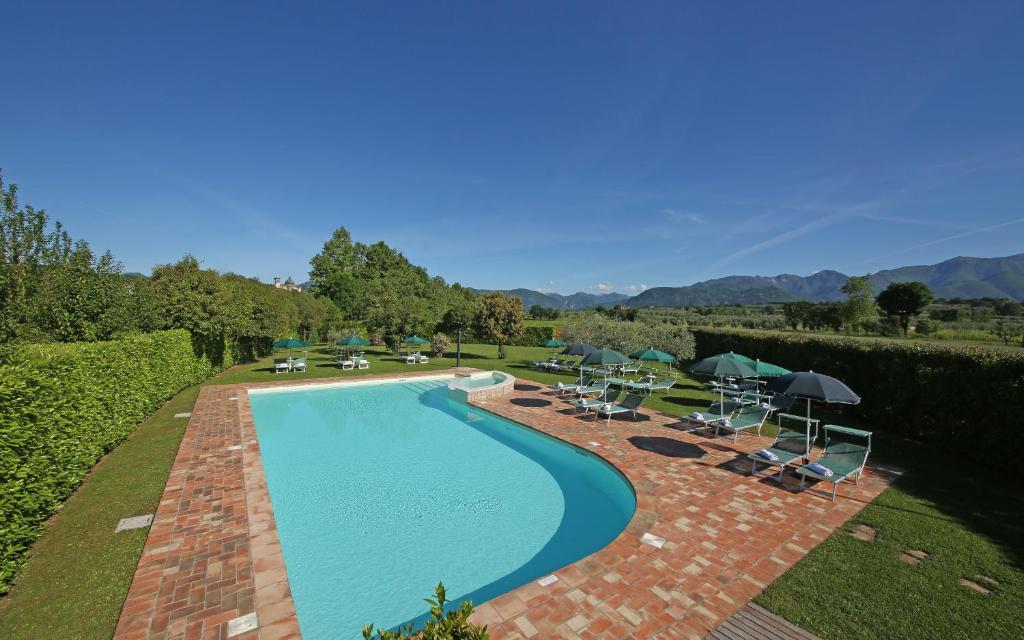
x=63, y=406
x=967, y=399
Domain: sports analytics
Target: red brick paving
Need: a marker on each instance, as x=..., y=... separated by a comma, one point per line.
x=213, y=555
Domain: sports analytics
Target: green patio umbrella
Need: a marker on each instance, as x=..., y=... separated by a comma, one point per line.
x=290, y=343
x=653, y=355
x=552, y=344
x=769, y=370
x=415, y=341
x=737, y=357
x=603, y=357
x=353, y=341
x=721, y=367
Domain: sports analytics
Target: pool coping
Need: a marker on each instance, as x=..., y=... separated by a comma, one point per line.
x=159, y=607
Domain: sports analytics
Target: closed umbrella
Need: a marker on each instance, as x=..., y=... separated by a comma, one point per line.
x=722, y=366
x=813, y=386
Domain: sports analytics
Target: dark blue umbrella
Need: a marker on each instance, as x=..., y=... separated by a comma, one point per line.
x=579, y=349
x=722, y=366
x=813, y=386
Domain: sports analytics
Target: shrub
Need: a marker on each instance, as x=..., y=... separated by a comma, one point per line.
x=629, y=337
x=450, y=625
x=964, y=398
x=439, y=344
x=62, y=406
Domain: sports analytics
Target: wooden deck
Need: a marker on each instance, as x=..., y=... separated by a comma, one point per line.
x=757, y=623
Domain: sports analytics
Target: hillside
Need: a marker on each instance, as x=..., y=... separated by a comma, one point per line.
x=960, y=277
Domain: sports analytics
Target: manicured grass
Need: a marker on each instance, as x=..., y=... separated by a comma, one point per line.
x=967, y=520
x=688, y=394
x=79, y=572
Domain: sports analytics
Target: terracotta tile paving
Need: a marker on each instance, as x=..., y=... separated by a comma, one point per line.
x=213, y=555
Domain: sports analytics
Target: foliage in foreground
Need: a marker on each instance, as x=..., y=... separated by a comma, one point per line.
x=453, y=625
x=63, y=406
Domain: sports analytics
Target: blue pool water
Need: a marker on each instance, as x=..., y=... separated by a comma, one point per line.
x=380, y=491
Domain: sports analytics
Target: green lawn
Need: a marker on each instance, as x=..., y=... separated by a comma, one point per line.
x=969, y=523
x=78, y=574
x=967, y=520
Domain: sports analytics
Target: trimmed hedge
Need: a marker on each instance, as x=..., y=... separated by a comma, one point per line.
x=967, y=399
x=63, y=406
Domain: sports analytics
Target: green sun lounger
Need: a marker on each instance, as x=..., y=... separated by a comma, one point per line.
x=748, y=419
x=629, y=405
x=561, y=387
x=597, y=387
x=842, y=457
x=790, y=446
x=609, y=395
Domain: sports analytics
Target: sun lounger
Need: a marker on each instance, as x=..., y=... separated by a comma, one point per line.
x=347, y=363
x=748, y=419
x=598, y=387
x=842, y=457
x=790, y=447
x=299, y=364
x=629, y=405
x=562, y=387
x=650, y=387
x=609, y=396
x=281, y=365
x=363, y=363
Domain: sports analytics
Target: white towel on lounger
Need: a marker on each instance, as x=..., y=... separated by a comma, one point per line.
x=768, y=455
x=820, y=469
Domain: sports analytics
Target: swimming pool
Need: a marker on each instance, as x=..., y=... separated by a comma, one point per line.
x=380, y=491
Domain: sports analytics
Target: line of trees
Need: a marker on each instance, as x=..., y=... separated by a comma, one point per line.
x=55, y=289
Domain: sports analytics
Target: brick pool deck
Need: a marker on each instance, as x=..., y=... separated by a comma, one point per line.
x=213, y=556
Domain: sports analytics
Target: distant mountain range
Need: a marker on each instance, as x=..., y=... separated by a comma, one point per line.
x=577, y=300
x=955, y=278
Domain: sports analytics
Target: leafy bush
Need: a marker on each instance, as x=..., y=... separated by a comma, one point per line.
x=453, y=625
x=62, y=406
x=439, y=344
x=965, y=398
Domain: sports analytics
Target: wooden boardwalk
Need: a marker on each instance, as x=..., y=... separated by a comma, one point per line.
x=757, y=623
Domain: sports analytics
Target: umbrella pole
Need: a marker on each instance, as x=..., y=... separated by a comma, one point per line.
x=808, y=449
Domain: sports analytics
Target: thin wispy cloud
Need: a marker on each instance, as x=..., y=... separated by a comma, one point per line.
x=635, y=288
x=931, y=243
x=602, y=287
x=679, y=215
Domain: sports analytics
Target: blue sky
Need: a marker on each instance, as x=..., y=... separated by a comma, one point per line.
x=558, y=146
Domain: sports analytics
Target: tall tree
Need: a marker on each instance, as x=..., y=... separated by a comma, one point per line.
x=905, y=300
x=499, y=319
x=860, y=301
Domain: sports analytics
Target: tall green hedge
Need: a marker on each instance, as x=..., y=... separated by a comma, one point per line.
x=967, y=399
x=62, y=406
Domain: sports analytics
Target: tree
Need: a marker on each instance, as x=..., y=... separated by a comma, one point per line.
x=796, y=313
x=905, y=300
x=860, y=301
x=499, y=319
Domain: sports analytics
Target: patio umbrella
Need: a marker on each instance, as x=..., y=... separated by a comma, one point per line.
x=353, y=341
x=603, y=357
x=415, y=341
x=653, y=355
x=721, y=367
x=552, y=344
x=579, y=349
x=813, y=386
x=769, y=370
x=735, y=356
x=290, y=343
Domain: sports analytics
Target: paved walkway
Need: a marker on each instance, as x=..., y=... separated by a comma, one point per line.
x=213, y=557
